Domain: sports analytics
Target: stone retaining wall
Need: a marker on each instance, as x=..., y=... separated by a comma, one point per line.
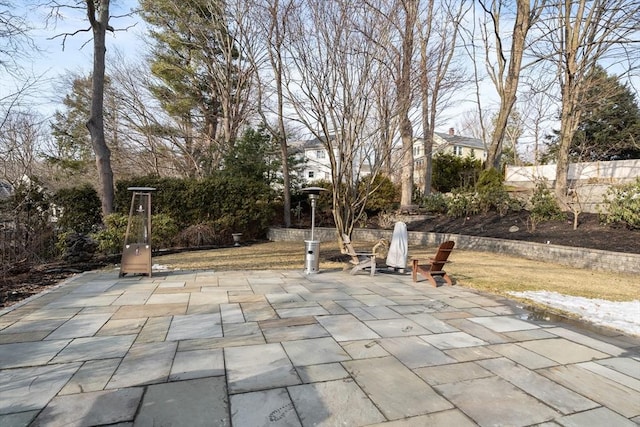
x=575, y=257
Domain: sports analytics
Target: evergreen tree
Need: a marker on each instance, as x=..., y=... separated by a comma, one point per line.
x=194, y=60
x=73, y=150
x=254, y=156
x=609, y=128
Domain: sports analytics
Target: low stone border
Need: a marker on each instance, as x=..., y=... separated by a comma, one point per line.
x=565, y=255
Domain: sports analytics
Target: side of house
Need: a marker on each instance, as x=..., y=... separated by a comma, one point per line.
x=313, y=153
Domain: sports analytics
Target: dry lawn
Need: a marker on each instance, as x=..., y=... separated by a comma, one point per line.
x=484, y=271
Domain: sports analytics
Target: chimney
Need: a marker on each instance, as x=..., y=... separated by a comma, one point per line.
x=452, y=131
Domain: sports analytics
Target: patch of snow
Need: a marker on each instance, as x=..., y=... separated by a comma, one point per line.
x=622, y=316
x=160, y=267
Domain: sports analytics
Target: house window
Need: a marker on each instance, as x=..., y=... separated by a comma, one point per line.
x=310, y=174
x=457, y=150
x=319, y=154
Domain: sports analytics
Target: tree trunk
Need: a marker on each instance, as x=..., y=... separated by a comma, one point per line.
x=404, y=102
x=96, y=119
x=508, y=89
x=282, y=132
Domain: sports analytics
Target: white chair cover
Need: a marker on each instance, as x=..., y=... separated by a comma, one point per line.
x=399, y=248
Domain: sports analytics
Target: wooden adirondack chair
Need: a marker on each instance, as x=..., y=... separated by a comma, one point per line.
x=436, y=266
x=360, y=260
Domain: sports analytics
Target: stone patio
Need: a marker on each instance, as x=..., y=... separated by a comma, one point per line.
x=281, y=348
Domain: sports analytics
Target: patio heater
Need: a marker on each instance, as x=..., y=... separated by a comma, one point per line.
x=312, y=246
x=136, y=254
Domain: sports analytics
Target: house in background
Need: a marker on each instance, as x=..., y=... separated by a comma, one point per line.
x=316, y=159
x=318, y=168
x=446, y=143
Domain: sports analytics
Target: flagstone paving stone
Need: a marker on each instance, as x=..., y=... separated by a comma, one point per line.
x=599, y=417
x=26, y=389
x=20, y=419
x=261, y=408
x=197, y=364
x=563, y=351
x=523, y=356
x=346, y=328
x=396, y=390
x=82, y=325
x=194, y=403
x=314, y=351
x=319, y=373
x=603, y=390
x=415, y=352
x=557, y=396
x=494, y=401
x=144, y=364
x=285, y=348
x=624, y=365
x=91, y=409
x=13, y=355
x=192, y=326
x=258, y=367
x=93, y=375
x=334, y=403
x=446, y=374
x=450, y=340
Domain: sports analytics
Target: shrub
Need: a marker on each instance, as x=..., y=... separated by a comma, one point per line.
x=232, y=203
x=163, y=231
x=435, y=203
x=80, y=209
x=544, y=206
x=492, y=195
x=111, y=238
x=462, y=204
x=622, y=205
x=203, y=234
x=31, y=233
x=450, y=171
x=385, y=195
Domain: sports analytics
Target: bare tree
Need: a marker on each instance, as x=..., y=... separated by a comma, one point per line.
x=538, y=111
x=505, y=74
x=439, y=77
x=99, y=20
x=580, y=34
x=404, y=90
x=334, y=68
x=21, y=137
x=98, y=15
x=15, y=42
x=273, y=17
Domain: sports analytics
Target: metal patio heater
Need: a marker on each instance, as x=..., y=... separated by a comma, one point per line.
x=312, y=246
x=136, y=254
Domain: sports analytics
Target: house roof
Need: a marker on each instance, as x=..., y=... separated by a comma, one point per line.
x=463, y=141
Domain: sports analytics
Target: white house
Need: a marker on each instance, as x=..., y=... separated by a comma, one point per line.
x=448, y=143
x=318, y=168
x=316, y=159
x=451, y=143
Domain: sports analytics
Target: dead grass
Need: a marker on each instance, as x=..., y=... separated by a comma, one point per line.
x=484, y=271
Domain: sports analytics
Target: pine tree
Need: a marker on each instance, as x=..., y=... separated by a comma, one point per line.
x=609, y=128
x=195, y=61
